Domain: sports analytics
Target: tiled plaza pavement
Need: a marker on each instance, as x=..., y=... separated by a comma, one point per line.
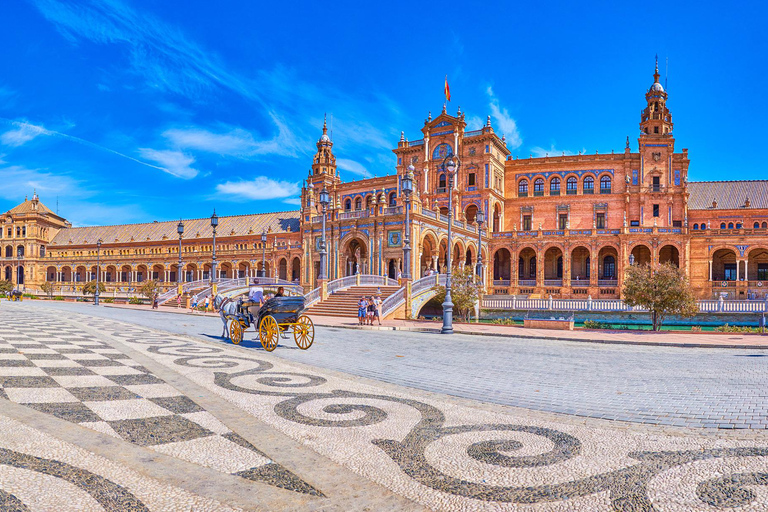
x=434, y=451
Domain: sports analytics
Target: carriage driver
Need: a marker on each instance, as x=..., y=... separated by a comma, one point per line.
x=255, y=299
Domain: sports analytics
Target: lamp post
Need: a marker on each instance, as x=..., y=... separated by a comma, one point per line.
x=98, y=272
x=324, y=201
x=451, y=165
x=480, y=219
x=214, y=223
x=407, y=186
x=180, y=231
x=19, y=273
x=263, y=272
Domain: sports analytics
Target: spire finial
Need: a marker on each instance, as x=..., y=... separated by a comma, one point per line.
x=488, y=121
x=402, y=136
x=325, y=123
x=627, y=142
x=429, y=117
x=656, y=70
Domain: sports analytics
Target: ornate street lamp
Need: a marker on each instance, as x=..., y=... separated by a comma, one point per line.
x=263, y=271
x=407, y=186
x=480, y=219
x=451, y=165
x=214, y=223
x=98, y=272
x=180, y=231
x=324, y=202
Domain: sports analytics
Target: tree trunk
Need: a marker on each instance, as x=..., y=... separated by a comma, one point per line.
x=655, y=321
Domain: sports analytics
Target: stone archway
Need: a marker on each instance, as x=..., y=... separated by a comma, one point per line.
x=757, y=265
x=296, y=269
x=282, y=272
x=724, y=265
x=580, y=266
x=502, y=265
x=526, y=267
x=642, y=254
x=355, y=257
x=429, y=253
x=553, y=265
x=669, y=254
x=607, y=263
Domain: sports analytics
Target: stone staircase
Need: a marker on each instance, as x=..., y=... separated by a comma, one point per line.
x=343, y=303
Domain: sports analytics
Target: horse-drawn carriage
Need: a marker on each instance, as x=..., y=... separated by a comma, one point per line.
x=15, y=296
x=277, y=318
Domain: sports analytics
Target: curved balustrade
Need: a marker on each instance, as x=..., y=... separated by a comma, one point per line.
x=391, y=303
x=705, y=306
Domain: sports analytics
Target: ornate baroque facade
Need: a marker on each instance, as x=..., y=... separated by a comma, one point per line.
x=565, y=226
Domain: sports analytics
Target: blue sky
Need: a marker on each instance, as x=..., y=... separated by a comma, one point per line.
x=132, y=111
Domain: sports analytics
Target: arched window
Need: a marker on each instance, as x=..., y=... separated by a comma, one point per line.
x=764, y=225
x=522, y=188
x=348, y=204
x=441, y=182
x=738, y=225
x=368, y=201
x=730, y=225
x=554, y=187
x=9, y=252
x=392, y=199
x=359, y=203
x=695, y=226
x=722, y=225
x=570, y=185
x=20, y=251
x=538, y=187
x=605, y=185
x=42, y=251
x=757, y=225
x=609, y=267
x=589, y=185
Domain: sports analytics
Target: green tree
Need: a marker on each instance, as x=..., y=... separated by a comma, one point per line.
x=662, y=290
x=6, y=287
x=89, y=288
x=47, y=288
x=465, y=291
x=149, y=289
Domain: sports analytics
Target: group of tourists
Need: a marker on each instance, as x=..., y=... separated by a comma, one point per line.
x=369, y=310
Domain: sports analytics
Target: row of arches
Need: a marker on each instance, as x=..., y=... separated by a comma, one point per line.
x=17, y=270
x=571, y=185
x=285, y=269
x=9, y=252
x=730, y=225
x=583, y=264
x=725, y=265
x=358, y=201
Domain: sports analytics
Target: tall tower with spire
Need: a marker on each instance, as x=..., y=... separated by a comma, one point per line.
x=324, y=162
x=656, y=119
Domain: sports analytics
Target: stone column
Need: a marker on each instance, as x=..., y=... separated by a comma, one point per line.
x=710, y=269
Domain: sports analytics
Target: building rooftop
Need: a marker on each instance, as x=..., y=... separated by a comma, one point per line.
x=729, y=195
x=235, y=225
x=31, y=206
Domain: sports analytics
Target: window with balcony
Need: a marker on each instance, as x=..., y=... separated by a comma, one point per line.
x=348, y=204
x=570, y=186
x=655, y=210
x=359, y=203
x=605, y=185
x=729, y=270
x=562, y=221
x=600, y=220
x=526, y=222
x=441, y=183
x=762, y=271
x=522, y=188
x=677, y=223
x=472, y=179
x=554, y=187
x=589, y=185
x=538, y=187
x=634, y=223
x=392, y=199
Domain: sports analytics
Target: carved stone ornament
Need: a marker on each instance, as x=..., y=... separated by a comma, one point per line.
x=656, y=156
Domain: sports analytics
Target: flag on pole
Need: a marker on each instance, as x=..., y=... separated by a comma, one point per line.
x=447, y=90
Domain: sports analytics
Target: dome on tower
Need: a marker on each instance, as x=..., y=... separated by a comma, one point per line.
x=325, y=138
x=657, y=87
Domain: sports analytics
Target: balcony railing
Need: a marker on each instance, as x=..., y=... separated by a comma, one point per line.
x=501, y=282
x=553, y=282
x=607, y=282
x=393, y=210
x=580, y=283
x=526, y=282
x=359, y=214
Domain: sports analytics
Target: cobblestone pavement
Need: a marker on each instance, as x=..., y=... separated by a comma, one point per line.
x=344, y=442
x=693, y=387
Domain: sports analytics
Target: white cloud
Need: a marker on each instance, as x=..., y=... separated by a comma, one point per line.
x=504, y=122
x=294, y=201
x=539, y=152
x=235, y=141
x=175, y=163
x=354, y=167
x=258, y=189
x=23, y=133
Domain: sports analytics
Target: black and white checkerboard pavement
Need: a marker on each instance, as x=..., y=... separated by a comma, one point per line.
x=54, y=368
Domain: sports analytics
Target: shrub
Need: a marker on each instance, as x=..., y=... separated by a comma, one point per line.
x=594, y=324
x=58, y=297
x=695, y=328
x=109, y=300
x=135, y=300
x=30, y=296
x=503, y=321
x=736, y=328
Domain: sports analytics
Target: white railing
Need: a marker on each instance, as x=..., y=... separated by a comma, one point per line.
x=427, y=282
x=312, y=297
x=359, y=214
x=588, y=304
x=374, y=280
x=187, y=287
x=553, y=282
x=342, y=283
x=393, y=210
x=391, y=303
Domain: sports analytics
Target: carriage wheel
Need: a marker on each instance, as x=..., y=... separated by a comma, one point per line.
x=268, y=333
x=304, y=332
x=235, y=332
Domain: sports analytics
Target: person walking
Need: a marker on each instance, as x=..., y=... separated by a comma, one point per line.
x=207, y=302
x=178, y=301
x=362, y=306
x=154, y=302
x=193, y=303
x=377, y=311
x=371, y=310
